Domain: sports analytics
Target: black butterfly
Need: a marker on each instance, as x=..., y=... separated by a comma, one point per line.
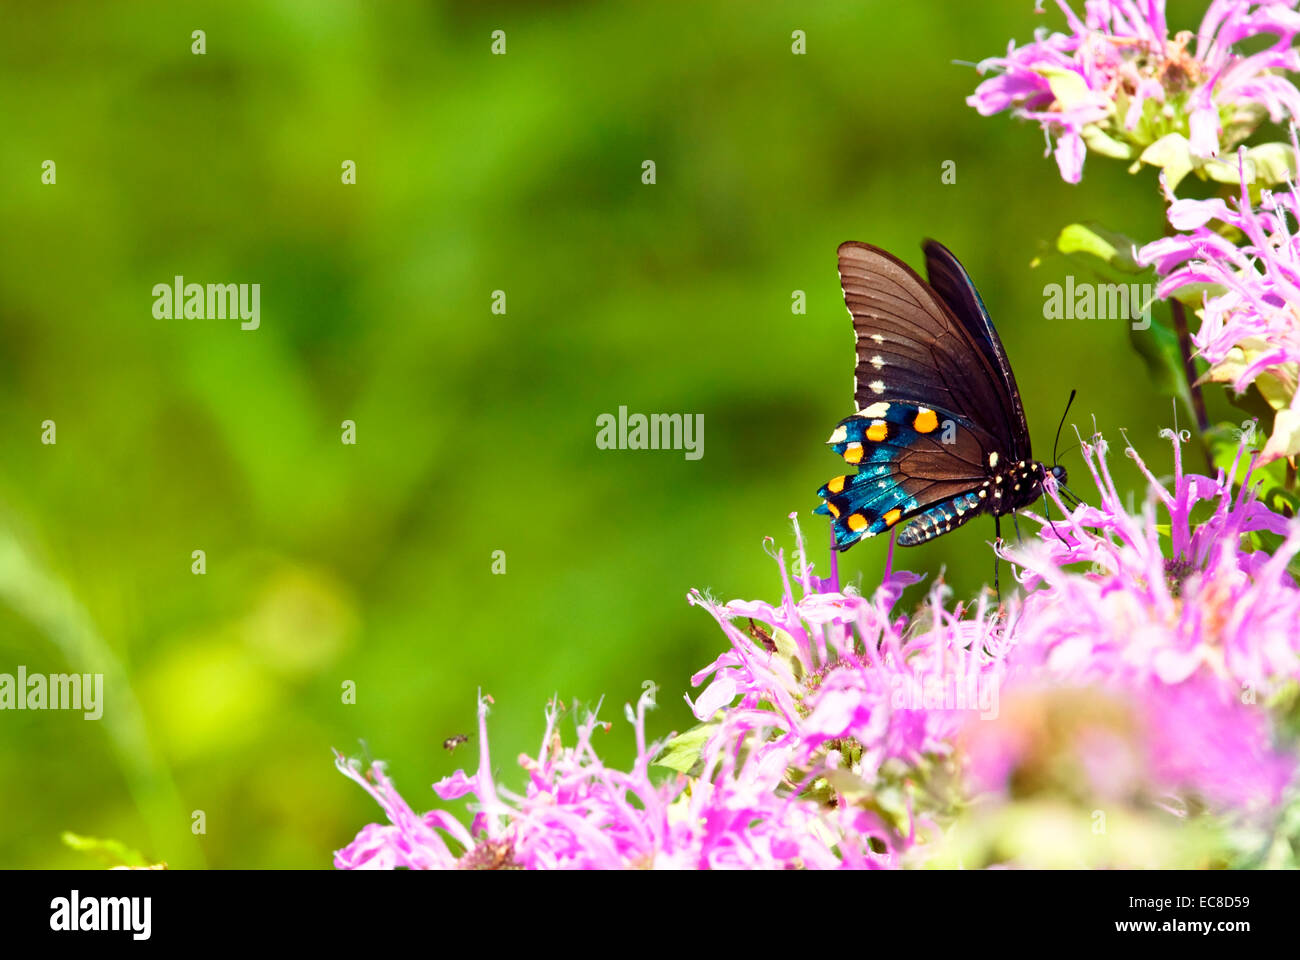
x=940, y=434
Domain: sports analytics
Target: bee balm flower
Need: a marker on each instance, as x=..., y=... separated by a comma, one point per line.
x=1120, y=85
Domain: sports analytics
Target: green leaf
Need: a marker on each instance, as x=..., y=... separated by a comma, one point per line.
x=1284, y=441
x=849, y=784
x=1172, y=153
x=1274, y=478
x=1274, y=162
x=1279, y=500
x=1100, y=142
x=1069, y=88
x=112, y=853
x=1108, y=246
x=1265, y=165
x=1275, y=393
x=1225, y=441
x=1192, y=296
x=682, y=752
x=785, y=645
x=1283, y=426
x=1157, y=345
x=1223, y=171
x=1110, y=255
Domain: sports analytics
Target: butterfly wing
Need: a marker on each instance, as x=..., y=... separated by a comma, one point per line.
x=913, y=462
x=935, y=397
x=912, y=348
x=951, y=281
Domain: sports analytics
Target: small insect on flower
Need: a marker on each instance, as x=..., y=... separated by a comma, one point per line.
x=491, y=855
x=451, y=743
x=762, y=635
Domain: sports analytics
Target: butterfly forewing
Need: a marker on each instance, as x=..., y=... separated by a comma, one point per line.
x=911, y=347
x=951, y=281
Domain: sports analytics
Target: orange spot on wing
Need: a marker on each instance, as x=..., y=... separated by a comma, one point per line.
x=926, y=421
x=835, y=511
x=878, y=431
x=856, y=522
x=836, y=485
x=892, y=516
x=853, y=453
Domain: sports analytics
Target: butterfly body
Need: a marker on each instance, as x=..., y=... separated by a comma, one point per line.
x=939, y=436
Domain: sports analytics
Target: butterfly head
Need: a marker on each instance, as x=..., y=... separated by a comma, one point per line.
x=1057, y=473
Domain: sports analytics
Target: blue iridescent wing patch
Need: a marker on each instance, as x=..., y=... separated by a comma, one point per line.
x=911, y=461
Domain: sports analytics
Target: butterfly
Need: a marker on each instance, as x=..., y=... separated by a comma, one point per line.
x=939, y=436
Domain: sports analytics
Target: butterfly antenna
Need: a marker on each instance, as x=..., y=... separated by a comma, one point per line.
x=1057, y=441
x=1061, y=489
x=1070, y=449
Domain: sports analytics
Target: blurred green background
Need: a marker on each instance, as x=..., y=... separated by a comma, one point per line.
x=372, y=563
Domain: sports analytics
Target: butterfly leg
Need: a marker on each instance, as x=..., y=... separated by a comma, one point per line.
x=1071, y=498
x=997, y=539
x=835, y=562
x=1015, y=523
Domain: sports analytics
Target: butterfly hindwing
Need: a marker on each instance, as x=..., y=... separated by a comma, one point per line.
x=910, y=460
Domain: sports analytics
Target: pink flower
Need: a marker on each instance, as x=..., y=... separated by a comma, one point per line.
x=836, y=733
x=577, y=813
x=1164, y=604
x=1250, y=313
x=1118, y=740
x=1194, y=634
x=1118, y=83
x=408, y=840
x=847, y=684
